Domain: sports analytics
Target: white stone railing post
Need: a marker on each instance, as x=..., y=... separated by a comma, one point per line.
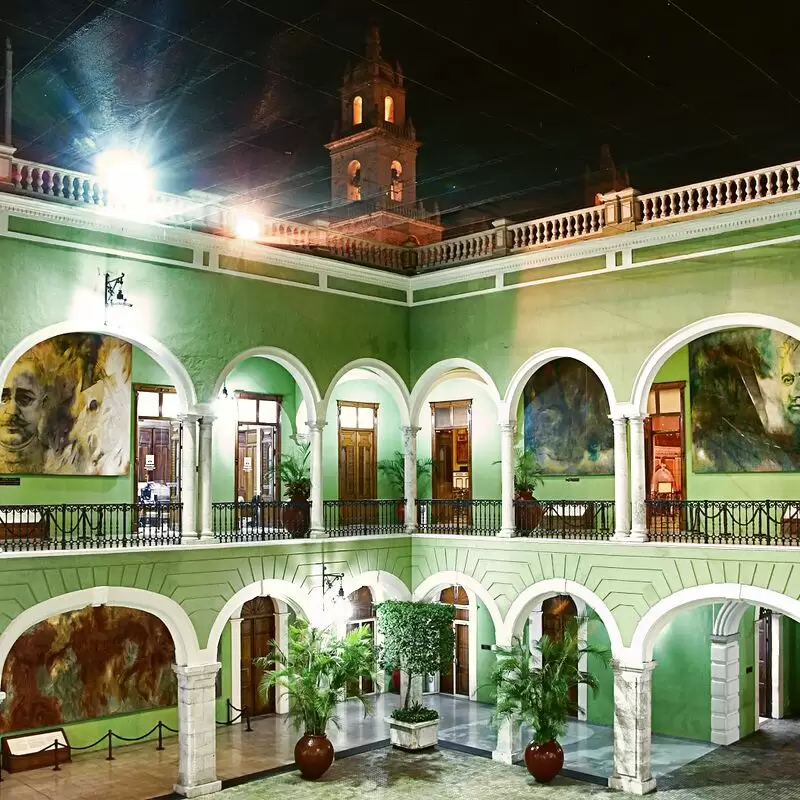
x=204, y=469
x=189, y=477
x=638, y=481
x=725, y=689
x=317, y=477
x=197, y=730
x=622, y=502
x=632, y=729
x=410, y=476
x=508, y=525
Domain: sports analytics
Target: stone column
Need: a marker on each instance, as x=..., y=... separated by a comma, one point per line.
x=622, y=502
x=188, y=477
x=632, y=710
x=317, y=525
x=776, y=630
x=725, y=689
x=410, y=476
x=638, y=481
x=204, y=469
x=508, y=525
x=509, y=742
x=197, y=730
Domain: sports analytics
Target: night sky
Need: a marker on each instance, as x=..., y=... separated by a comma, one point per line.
x=512, y=99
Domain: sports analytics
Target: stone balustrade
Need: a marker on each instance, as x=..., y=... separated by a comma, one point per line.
x=557, y=228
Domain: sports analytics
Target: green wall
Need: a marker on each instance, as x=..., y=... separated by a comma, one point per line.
x=486, y=659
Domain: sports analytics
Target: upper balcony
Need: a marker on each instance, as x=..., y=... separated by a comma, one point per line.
x=617, y=212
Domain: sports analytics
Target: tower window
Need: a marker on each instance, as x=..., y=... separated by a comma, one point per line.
x=354, y=180
x=396, y=186
x=358, y=110
x=388, y=108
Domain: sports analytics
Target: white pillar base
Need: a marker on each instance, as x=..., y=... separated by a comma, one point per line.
x=198, y=791
x=631, y=785
x=509, y=742
x=621, y=536
x=410, y=529
x=507, y=533
x=190, y=538
x=317, y=533
x=638, y=536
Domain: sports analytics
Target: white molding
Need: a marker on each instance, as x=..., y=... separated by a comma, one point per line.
x=383, y=585
x=187, y=650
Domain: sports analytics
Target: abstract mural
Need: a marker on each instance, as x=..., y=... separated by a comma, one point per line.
x=86, y=664
x=566, y=420
x=67, y=408
x=745, y=401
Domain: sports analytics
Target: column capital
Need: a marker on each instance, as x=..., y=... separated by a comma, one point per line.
x=723, y=638
x=189, y=416
x=207, y=420
x=642, y=668
x=196, y=675
x=410, y=430
x=637, y=418
x=316, y=426
x=507, y=426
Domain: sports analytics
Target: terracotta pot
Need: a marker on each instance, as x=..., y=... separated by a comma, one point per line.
x=544, y=761
x=401, y=512
x=529, y=516
x=297, y=516
x=313, y=755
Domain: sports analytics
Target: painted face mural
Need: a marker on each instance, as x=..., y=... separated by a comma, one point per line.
x=66, y=408
x=745, y=401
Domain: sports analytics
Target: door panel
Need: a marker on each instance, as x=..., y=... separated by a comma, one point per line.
x=765, y=665
x=358, y=471
x=462, y=660
x=257, y=632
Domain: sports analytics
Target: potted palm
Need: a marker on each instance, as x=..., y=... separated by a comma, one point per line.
x=527, y=476
x=394, y=470
x=296, y=479
x=315, y=671
x=419, y=640
x=536, y=692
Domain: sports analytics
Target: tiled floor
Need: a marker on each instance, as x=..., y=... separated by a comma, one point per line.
x=139, y=771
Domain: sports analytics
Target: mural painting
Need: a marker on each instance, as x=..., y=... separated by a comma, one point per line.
x=745, y=401
x=66, y=408
x=85, y=664
x=566, y=420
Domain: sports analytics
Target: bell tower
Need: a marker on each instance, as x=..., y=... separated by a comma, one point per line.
x=374, y=157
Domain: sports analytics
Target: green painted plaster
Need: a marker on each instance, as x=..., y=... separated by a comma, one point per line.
x=485, y=659
x=581, y=265
x=368, y=289
x=453, y=289
x=249, y=267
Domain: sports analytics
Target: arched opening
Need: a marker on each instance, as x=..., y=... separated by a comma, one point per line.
x=363, y=617
x=456, y=405
x=257, y=631
x=558, y=613
x=388, y=108
x=457, y=680
x=396, y=182
x=358, y=110
x=354, y=180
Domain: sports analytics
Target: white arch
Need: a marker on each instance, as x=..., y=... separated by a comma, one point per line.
x=293, y=365
x=424, y=386
x=451, y=578
x=534, y=595
x=537, y=361
x=184, y=387
x=648, y=371
x=299, y=599
x=386, y=375
x=659, y=616
x=729, y=618
x=167, y=610
x=383, y=585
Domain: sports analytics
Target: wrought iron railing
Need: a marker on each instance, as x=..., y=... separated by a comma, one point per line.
x=363, y=517
x=260, y=521
x=463, y=517
x=753, y=522
x=565, y=519
x=78, y=526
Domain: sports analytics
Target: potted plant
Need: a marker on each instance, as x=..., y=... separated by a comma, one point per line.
x=527, y=476
x=296, y=479
x=418, y=639
x=536, y=691
x=315, y=671
x=394, y=470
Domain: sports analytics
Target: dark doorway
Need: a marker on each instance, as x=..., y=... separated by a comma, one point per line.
x=765, y=663
x=557, y=614
x=258, y=632
x=451, y=447
x=363, y=617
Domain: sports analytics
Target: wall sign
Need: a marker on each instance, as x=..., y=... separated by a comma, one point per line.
x=150, y=461
x=248, y=464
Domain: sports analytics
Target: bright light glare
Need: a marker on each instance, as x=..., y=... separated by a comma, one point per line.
x=247, y=228
x=125, y=176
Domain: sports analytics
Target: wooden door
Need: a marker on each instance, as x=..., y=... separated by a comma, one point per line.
x=247, y=464
x=270, y=489
x=258, y=632
x=358, y=473
x=443, y=465
x=462, y=659
x=456, y=679
x=765, y=664
x=154, y=441
x=557, y=614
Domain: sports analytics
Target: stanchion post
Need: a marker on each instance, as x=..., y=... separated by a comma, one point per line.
x=160, y=736
x=110, y=756
x=56, y=768
x=248, y=729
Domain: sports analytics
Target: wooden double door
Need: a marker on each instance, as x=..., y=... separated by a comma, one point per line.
x=257, y=634
x=257, y=463
x=456, y=680
x=358, y=463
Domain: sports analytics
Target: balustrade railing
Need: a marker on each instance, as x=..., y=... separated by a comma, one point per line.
x=260, y=521
x=721, y=193
x=565, y=519
x=73, y=526
x=363, y=517
x=455, y=251
x=749, y=522
x=557, y=228
x=462, y=517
